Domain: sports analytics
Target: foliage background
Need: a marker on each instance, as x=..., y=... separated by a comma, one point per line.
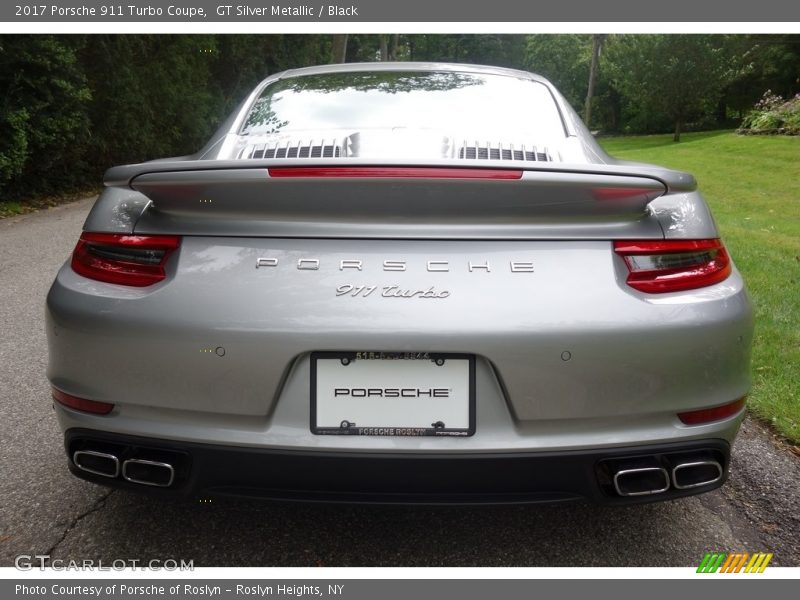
x=73, y=105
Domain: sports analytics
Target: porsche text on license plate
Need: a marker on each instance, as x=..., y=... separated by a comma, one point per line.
x=392, y=394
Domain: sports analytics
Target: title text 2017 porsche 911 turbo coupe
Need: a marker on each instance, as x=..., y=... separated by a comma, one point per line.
x=401, y=282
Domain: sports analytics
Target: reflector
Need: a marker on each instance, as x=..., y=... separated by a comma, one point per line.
x=707, y=415
x=81, y=404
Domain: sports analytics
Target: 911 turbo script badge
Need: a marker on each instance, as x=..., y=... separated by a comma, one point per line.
x=390, y=291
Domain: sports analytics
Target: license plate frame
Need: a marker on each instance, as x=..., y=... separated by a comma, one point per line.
x=399, y=358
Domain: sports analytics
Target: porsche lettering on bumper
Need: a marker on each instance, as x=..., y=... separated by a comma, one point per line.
x=431, y=266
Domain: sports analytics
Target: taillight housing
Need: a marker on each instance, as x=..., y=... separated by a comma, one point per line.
x=134, y=260
x=659, y=266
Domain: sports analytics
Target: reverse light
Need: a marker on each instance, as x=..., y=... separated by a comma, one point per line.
x=135, y=260
x=709, y=415
x=81, y=404
x=659, y=266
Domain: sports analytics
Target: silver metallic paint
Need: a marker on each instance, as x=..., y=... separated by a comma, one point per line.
x=575, y=300
x=569, y=357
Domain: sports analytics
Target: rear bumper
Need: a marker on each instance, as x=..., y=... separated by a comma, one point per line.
x=442, y=478
x=223, y=342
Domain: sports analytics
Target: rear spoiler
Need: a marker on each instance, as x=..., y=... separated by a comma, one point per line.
x=337, y=199
x=674, y=181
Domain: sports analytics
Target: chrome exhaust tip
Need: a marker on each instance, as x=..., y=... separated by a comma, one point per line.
x=695, y=474
x=642, y=481
x=148, y=472
x=97, y=463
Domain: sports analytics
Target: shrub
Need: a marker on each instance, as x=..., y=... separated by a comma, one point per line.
x=773, y=114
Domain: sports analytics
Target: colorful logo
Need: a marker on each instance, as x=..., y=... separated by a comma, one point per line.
x=736, y=562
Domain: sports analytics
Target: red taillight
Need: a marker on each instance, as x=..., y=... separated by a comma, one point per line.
x=708, y=415
x=136, y=260
x=81, y=404
x=396, y=172
x=660, y=266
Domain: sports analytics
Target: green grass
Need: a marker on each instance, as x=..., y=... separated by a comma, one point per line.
x=10, y=209
x=752, y=184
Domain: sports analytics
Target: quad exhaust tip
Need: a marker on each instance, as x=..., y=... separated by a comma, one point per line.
x=136, y=470
x=695, y=474
x=98, y=463
x=655, y=479
x=643, y=481
x=148, y=472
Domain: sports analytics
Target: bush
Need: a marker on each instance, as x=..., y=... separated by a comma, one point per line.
x=773, y=114
x=13, y=143
x=44, y=125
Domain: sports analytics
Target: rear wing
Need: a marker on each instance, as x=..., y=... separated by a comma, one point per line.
x=282, y=198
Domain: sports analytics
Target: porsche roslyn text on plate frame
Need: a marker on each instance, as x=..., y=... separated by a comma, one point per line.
x=392, y=394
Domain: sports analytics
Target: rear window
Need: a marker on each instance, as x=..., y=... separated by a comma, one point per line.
x=478, y=107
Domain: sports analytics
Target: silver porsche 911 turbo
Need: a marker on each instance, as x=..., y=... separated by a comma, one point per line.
x=401, y=282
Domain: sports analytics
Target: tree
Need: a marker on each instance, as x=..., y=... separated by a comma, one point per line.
x=597, y=44
x=43, y=113
x=339, y=49
x=499, y=50
x=152, y=96
x=674, y=76
x=389, y=46
x=767, y=62
x=564, y=60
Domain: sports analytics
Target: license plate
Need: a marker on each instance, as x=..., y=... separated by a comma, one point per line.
x=392, y=394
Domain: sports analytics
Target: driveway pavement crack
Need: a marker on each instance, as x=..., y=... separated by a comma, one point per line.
x=97, y=505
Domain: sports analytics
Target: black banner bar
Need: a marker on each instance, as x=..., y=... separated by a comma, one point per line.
x=441, y=11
